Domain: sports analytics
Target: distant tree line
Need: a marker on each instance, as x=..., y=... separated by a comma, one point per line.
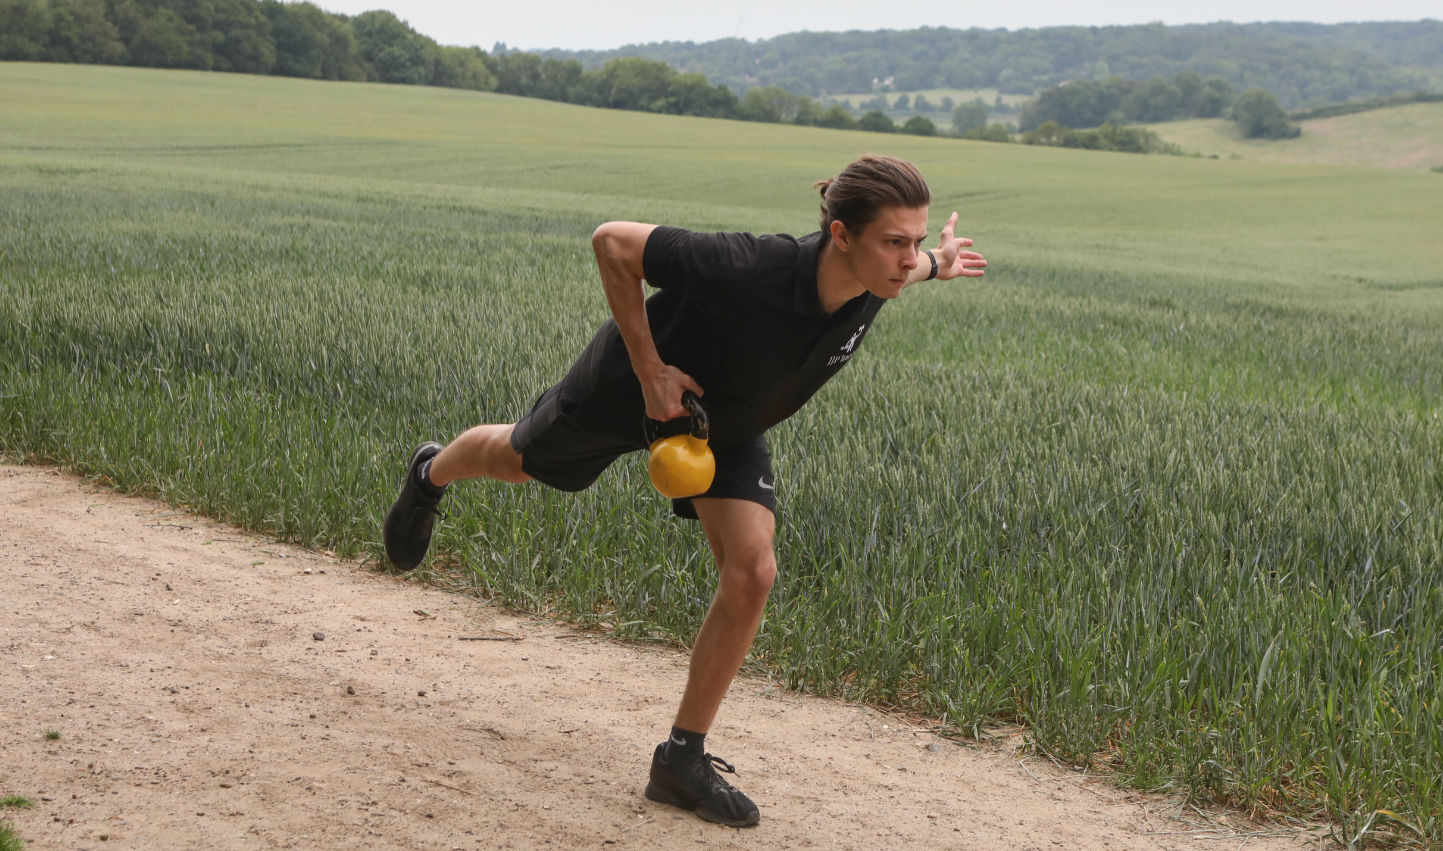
x=1111, y=102
x=1300, y=64
x=247, y=36
x=302, y=40
x=1353, y=107
x=1108, y=137
x=1092, y=103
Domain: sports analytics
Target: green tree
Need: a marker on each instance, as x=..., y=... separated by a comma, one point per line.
x=635, y=83
x=298, y=30
x=903, y=103
x=1046, y=133
x=560, y=79
x=520, y=74
x=992, y=133
x=920, y=125
x=808, y=111
x=770, y=103
x=1190, y=86
x=26, y=32
x=1155, y=100
x=163, y=40
x=1259, y=116
x=877, y=122
x=1213, y=100
x=80, y=32
x=237, y=35
x=837, y=117
x=921, y=104
x=463, y=68
x=313, y=43
x=394, y=52
x=969, y=117
x=696, y=96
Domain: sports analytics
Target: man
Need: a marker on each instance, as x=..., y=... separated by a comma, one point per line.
x=754, y=325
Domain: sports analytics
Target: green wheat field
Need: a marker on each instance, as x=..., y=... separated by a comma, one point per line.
x=1164, y=487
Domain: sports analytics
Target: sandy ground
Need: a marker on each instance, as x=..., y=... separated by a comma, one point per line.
x=216, y=690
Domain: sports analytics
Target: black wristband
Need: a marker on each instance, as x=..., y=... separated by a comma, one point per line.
x=933, y=258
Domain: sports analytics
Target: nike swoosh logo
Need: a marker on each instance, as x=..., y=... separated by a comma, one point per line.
x=764, y=484
x=681, y=743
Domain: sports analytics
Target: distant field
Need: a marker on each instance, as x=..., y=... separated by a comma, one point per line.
x=1396, y=137
x=1166, y=487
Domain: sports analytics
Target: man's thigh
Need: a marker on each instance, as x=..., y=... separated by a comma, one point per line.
x=567, y=451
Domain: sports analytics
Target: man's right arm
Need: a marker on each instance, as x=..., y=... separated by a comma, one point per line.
x=620, y=248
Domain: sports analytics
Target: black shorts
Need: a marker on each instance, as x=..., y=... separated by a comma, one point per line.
x=574, y=433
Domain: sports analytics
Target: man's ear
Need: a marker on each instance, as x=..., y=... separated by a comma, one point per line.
x=840, y=235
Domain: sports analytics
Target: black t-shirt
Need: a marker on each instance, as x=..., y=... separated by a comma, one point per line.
x=740, y=314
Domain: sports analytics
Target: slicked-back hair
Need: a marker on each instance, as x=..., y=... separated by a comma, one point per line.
x=857, y=195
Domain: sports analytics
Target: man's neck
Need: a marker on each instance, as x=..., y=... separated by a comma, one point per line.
x=835, y=283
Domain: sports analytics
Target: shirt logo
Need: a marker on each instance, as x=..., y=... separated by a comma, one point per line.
x=764, y=484
x=845, y=353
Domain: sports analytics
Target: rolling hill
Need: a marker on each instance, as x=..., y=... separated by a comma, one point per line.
x=1409, y=136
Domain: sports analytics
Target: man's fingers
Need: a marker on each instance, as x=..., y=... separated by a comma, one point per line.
x=969, y=264
x=949, y=228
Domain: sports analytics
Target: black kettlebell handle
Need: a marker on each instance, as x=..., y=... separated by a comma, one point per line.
x=699, y=425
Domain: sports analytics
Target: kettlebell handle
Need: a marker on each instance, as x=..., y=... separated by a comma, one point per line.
x=700, y=426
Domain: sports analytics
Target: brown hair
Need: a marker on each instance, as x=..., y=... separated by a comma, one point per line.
x=855, y=196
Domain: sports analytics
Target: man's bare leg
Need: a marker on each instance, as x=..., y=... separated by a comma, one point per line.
x=483, y=451
x=480, y=452
x=682, y=773
x=740, y=533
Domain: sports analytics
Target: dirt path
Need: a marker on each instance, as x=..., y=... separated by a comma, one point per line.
x=214, y=690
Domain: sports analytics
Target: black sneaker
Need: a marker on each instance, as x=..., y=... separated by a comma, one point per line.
x=407, y=530
x=693, y=784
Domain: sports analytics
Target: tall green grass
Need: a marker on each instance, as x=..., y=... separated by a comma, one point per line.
x=1164, y=486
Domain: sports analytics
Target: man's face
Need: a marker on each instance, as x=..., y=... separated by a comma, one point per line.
x=886, y=251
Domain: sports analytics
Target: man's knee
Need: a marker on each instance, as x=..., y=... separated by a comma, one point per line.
x=747, y=577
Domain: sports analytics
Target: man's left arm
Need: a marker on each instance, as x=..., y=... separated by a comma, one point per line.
x=953, y=258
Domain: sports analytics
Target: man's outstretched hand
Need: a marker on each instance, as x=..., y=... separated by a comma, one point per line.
x=953, y=260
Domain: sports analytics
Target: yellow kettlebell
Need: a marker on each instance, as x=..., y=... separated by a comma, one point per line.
x=682, y=465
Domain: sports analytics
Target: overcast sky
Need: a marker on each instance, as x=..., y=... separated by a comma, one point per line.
x=602, y=24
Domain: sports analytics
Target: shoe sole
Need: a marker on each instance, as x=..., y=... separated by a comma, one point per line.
x=663, y=795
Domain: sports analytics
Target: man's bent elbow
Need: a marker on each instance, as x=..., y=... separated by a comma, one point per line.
x=607, y=238
x=623, y=241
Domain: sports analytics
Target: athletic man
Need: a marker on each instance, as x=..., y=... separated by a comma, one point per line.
x=755, y=325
